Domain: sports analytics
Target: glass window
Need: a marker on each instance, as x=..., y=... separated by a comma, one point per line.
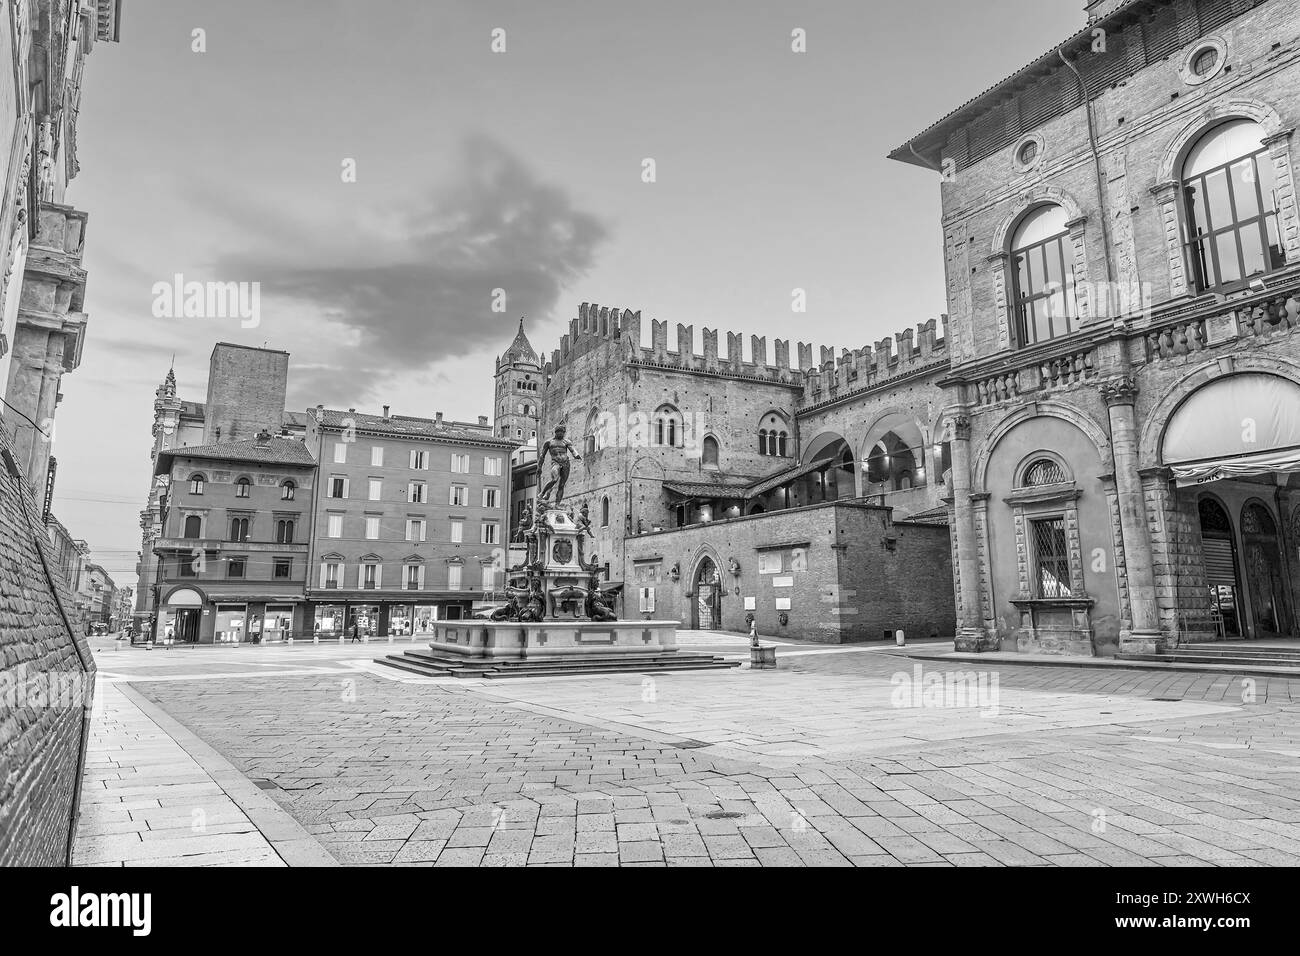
x=376, y=455
x=284, y=531
x=235, y=568
x=415, y=529
x=287, y=491
x=372, y=527
x=490, y=497
x=489, y=535
x=415, y=491
x=457, y=532
x=242, y=487
x=1051, y=558
x=1230, y=228
x=340, y=453
x=334, y=526
x=338, y=487
x=1042, y=272
x=282, y=567
x=238, y=529
x=196, y=484
x=193, y=526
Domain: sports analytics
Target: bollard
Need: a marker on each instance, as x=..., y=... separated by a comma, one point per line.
x=899, y=638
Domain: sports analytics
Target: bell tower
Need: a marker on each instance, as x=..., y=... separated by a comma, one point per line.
x=518, y=391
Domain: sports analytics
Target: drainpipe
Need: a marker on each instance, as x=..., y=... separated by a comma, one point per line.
x=1096, y=161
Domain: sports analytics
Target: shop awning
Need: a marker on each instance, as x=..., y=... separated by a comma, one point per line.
x=1240, y=426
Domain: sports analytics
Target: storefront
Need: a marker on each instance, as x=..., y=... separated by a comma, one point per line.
x=1233, y=446
x=333, y=621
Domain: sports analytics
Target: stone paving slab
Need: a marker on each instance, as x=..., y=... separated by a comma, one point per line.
x=810, y=765
x=156, y=795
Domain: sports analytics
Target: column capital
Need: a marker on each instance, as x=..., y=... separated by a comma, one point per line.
x=961, y=427
x=1121, y=390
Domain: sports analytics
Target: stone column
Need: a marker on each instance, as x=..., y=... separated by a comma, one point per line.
x=1144, y=636
x=971, y=635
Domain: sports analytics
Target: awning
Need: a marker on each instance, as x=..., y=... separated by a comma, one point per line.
x=1246, y=466
x=1239, y=426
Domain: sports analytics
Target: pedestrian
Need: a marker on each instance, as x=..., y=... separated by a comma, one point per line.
x=356, y=632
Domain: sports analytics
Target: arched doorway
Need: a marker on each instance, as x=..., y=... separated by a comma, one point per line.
x=1270, y=610
x=707, y=605
x=1220, y=551
x=181, y=614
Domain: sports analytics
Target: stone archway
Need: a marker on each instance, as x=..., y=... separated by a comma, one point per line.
x=706, y=596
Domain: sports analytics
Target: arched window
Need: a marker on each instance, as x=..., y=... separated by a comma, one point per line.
x=1042, y=271
x=287, y=489
x=667, y=426
x=773, y=435
x=193, y=526
x=238, y=529
x=196, y=484
x=1230, y=218
x=1043, y=471
x=709, y=457
x=242, y=487
x=284, y=531
x=604, y=512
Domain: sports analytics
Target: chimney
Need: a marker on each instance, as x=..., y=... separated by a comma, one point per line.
x=263, y=437
x=352, y=411
x=482, y=421
x=385, y=411
x=438, y=417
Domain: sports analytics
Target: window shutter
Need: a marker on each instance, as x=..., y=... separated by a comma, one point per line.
x=346, y=482
x=322, y=574
x=379, y=575
x=420, y=577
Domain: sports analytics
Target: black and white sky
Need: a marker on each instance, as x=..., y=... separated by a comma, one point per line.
x=478, y=170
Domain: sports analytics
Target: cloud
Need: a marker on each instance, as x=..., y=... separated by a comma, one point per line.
x=414, y=287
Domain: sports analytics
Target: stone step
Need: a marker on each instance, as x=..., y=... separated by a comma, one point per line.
x=432, y=664
x=1210, y=650
x=1240, y=660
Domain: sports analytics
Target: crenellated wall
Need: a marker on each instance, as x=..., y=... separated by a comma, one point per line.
x=907, y=351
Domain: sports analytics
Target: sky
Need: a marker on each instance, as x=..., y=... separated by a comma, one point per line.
x=379, y=170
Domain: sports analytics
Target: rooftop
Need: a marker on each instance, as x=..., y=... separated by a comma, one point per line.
x=260, y=451
x=408, y=426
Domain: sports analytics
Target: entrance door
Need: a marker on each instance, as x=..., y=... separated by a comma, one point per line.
x=187, y=625
x=1220, y=553
x=708, y=597
x=1270, y=610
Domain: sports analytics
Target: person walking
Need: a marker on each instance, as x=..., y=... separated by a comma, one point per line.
x=356, y=632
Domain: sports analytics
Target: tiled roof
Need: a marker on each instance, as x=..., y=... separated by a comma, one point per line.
x=978, y=104
x=405, y=426
x=521, y=350
x=781, y=477
x=933, y=516
x=708, y=489
x=274, y=451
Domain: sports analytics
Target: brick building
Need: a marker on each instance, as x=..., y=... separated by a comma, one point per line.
x=245, y=394
x=231, y=556
x=410, y=520
x=46, y=671
x=42, y=237
x=1123, y=265
x=695, y=462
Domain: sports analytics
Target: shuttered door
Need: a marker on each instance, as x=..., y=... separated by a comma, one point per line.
x=1219, y=566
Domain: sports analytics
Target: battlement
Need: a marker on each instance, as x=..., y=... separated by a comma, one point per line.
x=600, y=325
x=907, y=351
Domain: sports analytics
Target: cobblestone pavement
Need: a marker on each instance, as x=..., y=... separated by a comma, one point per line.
x=842, y=756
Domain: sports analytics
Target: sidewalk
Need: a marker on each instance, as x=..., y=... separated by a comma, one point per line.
x=156, y=795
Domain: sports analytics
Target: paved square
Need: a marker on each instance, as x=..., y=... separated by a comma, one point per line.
x=842, y=756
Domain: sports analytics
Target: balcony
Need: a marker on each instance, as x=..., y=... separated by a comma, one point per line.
x=1269, y=311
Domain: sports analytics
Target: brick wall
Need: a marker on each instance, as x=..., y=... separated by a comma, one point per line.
x=40, y=741
x=860, y=573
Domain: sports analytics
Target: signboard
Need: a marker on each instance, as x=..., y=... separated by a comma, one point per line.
x=751, y=604
x=647, y=600
x=783, y=604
